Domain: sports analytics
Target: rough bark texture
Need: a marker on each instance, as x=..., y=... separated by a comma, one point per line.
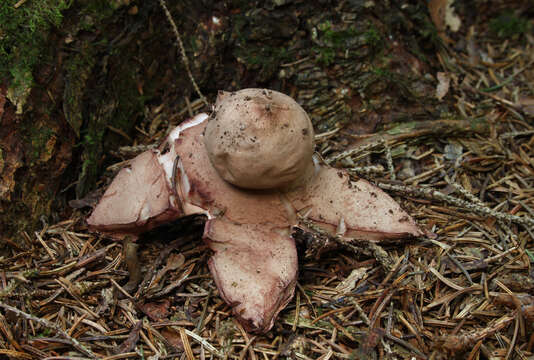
x=112, y=66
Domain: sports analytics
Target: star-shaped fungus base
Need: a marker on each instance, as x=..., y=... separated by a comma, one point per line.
x=254, y=263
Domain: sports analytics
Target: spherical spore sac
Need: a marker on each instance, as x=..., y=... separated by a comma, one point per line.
x=259, y=139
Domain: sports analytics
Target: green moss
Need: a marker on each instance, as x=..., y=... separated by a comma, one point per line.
x=119, y=107
x=92, y=145
x=44, y=333
x=509, y=25
x=336, y=38
x=95, y=11
x=78, y=71
x=265, y=59
x=372, y=37
x=325, y=55
x=129, y=102
x=39, y=137
x=382, y=73
x=23, y=34
x=263, y=55
x=345, y=41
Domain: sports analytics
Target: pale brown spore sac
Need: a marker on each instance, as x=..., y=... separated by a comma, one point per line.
x=259, y=139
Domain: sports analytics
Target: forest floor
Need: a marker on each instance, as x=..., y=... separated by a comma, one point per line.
x=467, y=293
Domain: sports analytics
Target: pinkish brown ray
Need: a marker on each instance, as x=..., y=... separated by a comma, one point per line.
x=255, y=269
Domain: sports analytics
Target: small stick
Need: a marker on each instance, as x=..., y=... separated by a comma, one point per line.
x=460, y=266
x=480, y=209
x=366, y=170
x=201, y=341
x=352, y=152
x=406, y=345
x=200, y=324
x=389, y=160
x=297, y=313
x=182, y=51
x=53, y=326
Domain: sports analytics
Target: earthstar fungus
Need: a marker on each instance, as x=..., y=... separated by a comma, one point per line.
x=249, y=168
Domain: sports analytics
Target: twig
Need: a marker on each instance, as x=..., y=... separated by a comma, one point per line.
x=19, y=4
x=327, y=134
x=201, y=341
x=352, y=152
x=53, y=326
x=416, y=130
x=182, y=51
x=516, y=133
x=508, y=80
x=480, y=209
x=389, y=160
x=462, y=269
x=366, y=170
x=200, y=323
x=469, y=196
x=406, y=345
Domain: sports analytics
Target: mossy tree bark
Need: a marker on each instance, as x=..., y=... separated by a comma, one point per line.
x=111, y=75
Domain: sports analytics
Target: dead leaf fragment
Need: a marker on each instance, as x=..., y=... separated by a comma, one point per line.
x=526, y=104
x=11, y=159
x=443, y=86
x=174, y=261
x=347, y=285
x=443, y=16
x=173, y=337
x=156, y=310
x=451, y=19
x=130, y=342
